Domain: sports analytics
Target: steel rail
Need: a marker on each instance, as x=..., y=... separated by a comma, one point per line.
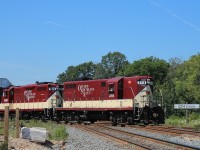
x=171, y=142
x=121, y=139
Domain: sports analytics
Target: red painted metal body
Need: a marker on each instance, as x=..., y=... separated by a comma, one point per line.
x=104, y=89
x=114, y=98
x=28, y=93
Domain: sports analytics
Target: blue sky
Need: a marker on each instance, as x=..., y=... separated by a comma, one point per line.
x=39, y=39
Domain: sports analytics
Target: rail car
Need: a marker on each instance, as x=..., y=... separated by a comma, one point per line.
x=33, y=100
x=119, y=99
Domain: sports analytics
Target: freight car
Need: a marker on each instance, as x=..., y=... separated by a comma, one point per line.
x=119, y=99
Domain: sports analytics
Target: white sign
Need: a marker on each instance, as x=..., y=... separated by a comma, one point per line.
x=186, y=106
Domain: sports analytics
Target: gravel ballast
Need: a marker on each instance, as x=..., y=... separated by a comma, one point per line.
x=83, y=140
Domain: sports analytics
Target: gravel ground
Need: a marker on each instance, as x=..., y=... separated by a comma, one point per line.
x=183, y=139
x=81, y=140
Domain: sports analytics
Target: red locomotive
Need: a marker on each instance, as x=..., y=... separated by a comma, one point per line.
x=120, y=99
x=33, y=99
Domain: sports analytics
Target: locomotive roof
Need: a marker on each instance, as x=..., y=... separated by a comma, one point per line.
x=83, y=81
x=110, y=80
x=139, y=77
x=114, y=80
x=34, y=85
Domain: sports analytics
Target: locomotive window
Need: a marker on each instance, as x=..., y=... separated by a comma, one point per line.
x=142, y=82
x=5, y=94
x=111, y=88
x=145, y=82
x=103, y=84
x=70, y=86
x=41, y=89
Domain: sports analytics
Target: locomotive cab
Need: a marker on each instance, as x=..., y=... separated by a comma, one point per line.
x=8, y=95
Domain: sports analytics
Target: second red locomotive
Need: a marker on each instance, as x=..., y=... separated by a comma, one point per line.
x=120, y=99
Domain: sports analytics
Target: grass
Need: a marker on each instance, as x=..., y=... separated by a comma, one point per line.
x=56, y=131
x=3, y=146
x=193, y=121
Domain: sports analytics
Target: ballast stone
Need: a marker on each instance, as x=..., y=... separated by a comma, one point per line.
x=34, y=134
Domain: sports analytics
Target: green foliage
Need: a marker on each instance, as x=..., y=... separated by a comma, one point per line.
x=100, y=72
x=4, y=146
x=176, y=81
x=56, y=131
x=59, y=133
x=80, y=72
x=197, y=127
x=149, y=66
x=194, y=116
x=175, y=121
x=113, y=64
x=194, y=121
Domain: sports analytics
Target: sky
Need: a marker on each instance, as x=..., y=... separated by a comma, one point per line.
x=39, y=39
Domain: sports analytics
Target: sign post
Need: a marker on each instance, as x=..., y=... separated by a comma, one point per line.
x=186, y=107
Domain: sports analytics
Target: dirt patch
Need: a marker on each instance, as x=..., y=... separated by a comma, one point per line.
x=24, y=144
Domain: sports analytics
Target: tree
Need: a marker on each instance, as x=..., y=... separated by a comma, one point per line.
x=188, y=80
x=113, y=63
x=157, y=68
x=69, y=75
x=169, y=86
x=80, y=72
x=100, y=72
x=86, y=70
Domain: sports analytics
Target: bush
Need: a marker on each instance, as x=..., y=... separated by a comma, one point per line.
x=194, y=121
x=3, y=146
x=197, y=127
x=194, y=116
x=59, y=133
x=56, y=131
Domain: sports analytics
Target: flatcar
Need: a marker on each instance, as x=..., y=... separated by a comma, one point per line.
x=119, y=99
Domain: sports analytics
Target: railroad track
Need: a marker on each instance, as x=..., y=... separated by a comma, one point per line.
x=170, y=130
x=129, y=144
x=144, y=142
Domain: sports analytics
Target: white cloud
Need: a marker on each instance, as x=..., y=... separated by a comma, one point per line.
x=176, y=16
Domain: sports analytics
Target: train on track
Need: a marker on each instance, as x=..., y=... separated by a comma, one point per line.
x=120, y=100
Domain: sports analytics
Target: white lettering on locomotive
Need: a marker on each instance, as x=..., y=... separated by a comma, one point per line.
x=85, y=89
x=29, y=95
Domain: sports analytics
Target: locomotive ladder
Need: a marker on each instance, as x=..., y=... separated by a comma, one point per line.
x=136, y=112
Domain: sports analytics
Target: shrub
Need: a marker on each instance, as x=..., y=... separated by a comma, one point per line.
x=56, y=131
x=197, y=127
x=3, y=146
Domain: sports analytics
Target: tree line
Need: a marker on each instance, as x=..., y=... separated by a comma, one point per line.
x=175, y=81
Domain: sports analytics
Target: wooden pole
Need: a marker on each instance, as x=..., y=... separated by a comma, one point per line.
x=17, y=123
x=187, y=119
x=6, y=124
